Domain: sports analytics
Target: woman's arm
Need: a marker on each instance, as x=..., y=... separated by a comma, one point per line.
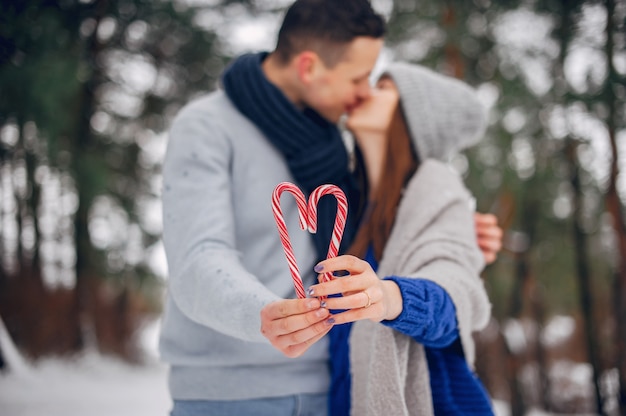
x=428, y=313
x=418, y=308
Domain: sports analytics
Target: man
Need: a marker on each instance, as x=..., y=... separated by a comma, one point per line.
x=274, y=121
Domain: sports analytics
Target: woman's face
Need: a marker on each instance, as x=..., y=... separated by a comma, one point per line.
x=374, y=114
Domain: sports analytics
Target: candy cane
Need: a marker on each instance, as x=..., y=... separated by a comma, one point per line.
x=282, y=229
x=308, y=220
x=340, y=219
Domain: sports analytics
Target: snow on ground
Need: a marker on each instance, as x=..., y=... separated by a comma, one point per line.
x=90, y=384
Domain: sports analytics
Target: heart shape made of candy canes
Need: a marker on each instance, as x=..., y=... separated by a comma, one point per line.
x=308, y=221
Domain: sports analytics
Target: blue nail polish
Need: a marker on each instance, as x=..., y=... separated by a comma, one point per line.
x=318, y=268
x=323, y=304
x=310, y=291
x=330, y=321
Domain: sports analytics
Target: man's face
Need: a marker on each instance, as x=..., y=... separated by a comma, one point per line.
x=338, y=90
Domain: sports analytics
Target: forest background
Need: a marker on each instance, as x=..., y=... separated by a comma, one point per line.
x=89, y=87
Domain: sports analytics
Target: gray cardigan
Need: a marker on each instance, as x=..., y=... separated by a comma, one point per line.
x=226, y=260
x=433, y=238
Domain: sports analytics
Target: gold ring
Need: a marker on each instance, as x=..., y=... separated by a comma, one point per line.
x=369, y=300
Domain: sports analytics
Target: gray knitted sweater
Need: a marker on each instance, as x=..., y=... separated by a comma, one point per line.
x=226, y=260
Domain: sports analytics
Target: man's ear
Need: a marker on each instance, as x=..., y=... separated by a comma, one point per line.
x=308, y=66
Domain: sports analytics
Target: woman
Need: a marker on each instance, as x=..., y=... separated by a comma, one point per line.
x=419, y=235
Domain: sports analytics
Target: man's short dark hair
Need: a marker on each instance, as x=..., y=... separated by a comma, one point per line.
x=326, y=27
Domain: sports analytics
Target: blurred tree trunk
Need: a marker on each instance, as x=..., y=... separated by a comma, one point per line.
x=527, y=288
x=516, y=358
x=581, y=254
x=453, y=57
x=82, y=147
x=583, y=271
x=18, y=156
x=614, y=207
x=539, y=312
x=32, y=196
x=3, y=155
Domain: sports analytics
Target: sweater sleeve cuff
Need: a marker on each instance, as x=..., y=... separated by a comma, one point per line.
x=428, y=313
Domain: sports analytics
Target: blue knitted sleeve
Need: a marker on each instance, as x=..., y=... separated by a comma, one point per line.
x=428, y=313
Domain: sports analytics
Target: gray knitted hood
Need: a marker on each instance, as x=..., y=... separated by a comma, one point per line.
x=443, y=114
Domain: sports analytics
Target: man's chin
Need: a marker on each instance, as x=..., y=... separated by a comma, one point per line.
x=350, y=108
x=336, y=118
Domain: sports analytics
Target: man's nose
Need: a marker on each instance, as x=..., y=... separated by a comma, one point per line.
x=364, y=91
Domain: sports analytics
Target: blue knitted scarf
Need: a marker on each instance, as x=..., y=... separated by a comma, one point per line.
x=312, y=146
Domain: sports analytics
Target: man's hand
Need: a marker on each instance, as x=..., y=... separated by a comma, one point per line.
x=488, y=235
x=293, y=325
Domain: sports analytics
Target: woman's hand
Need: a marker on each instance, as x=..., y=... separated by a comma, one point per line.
x=365, y=296
x=293, y=325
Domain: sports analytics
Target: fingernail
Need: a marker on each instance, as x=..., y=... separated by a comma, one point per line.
x=311, y=304
x=310, y=291
x=318, y=268
x=321, y=312
x=330, y=321
x=323, y=304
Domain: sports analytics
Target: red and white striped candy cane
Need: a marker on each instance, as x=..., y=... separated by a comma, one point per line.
x=340, y=219
x=282, y=229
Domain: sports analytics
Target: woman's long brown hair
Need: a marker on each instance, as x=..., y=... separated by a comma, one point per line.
x=400, y=164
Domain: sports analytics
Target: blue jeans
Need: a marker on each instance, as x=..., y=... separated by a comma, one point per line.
x=297, y=405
